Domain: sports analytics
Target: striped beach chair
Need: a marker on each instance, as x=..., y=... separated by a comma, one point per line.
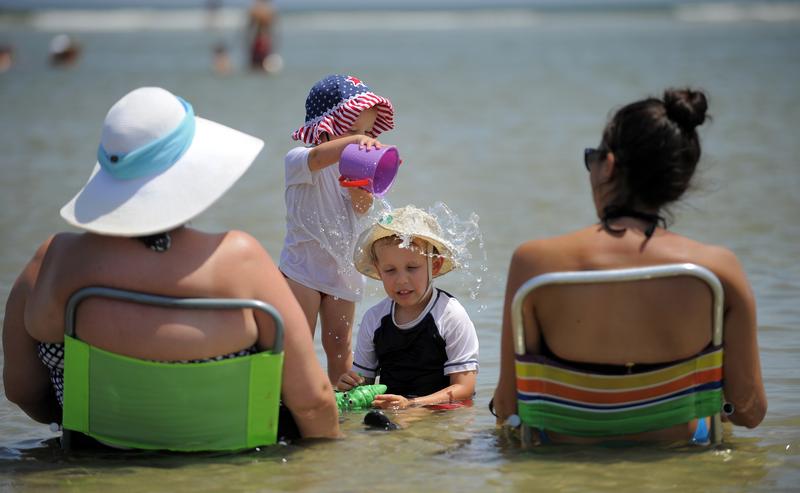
x=556, y=397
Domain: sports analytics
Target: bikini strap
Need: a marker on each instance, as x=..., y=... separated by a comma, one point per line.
x=610, y=213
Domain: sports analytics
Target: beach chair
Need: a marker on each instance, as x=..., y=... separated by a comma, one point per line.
x=557, y=397
x=132, y=403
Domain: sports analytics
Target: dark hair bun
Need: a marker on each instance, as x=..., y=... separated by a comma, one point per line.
x=686, y=107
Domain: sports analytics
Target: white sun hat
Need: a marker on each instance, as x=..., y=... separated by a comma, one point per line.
x=158, y=166
x=407, y=223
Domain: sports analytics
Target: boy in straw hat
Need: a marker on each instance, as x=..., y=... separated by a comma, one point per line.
x=419, y=339
x=321, y=215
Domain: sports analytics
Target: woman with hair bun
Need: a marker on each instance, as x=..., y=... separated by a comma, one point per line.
x=645, y=161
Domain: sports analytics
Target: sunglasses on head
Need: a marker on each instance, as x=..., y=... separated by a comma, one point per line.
x=592, y=155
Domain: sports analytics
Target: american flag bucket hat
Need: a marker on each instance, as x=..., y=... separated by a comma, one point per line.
x=334, y=104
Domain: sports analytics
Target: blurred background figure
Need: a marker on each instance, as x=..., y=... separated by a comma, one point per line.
x=260, y=26
x=6, y=58
x=221, y=61
x=212, y=11
x=64, y=51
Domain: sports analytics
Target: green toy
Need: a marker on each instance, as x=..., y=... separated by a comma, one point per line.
x=358, y=398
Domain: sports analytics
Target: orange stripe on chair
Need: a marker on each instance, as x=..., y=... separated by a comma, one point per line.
x=540, y=386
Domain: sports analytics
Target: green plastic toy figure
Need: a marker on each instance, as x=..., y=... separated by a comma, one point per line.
x=358, y=398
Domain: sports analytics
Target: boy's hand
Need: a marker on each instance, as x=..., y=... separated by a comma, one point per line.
x=391, y=401
x=349, y=380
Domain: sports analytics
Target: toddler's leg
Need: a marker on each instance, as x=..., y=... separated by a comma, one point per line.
x=309, y=300
x=337, y=316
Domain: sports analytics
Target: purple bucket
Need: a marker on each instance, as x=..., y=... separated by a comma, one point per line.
x=373, y=169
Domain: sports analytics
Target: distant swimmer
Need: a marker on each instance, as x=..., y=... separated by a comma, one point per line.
x=64, y=51
x=260, y=24
x=6, y=58
x=222, y=61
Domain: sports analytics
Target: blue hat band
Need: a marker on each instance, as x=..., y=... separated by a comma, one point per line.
x=153, y=157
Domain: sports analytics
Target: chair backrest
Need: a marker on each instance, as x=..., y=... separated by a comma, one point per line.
x=558, y=397
x=121, y=401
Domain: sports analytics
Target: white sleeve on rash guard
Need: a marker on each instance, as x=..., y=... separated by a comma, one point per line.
x=365, y=361
x=461, y=339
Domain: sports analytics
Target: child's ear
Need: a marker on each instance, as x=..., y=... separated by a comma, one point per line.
x=437, y=264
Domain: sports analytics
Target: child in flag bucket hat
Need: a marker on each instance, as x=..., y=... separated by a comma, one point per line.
x=334, y=103
x=322, y=216
x=419, y=339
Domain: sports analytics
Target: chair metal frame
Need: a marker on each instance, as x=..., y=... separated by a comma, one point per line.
x=170, y=302
x=615, y=276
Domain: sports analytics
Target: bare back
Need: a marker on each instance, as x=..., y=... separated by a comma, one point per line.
x=643, y=322
x=649, y=321
x=196, y=265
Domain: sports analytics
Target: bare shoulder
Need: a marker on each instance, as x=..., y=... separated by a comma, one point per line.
x=241, y=255
x=548, y=254
x=720, y=260
x=242, y=242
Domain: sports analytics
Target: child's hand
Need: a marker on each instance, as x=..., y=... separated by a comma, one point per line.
x=391, y=401
x=367, y=142
x=349, y=380
x=361, y=200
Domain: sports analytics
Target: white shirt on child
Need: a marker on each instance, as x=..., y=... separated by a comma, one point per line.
x=321, y=228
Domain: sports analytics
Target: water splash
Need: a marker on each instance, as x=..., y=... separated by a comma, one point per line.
x=468, y=245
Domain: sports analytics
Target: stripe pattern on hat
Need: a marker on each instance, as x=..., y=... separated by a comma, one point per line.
x=557, y=397
x=334, y=104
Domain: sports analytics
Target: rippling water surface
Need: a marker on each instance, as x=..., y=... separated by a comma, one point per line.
x=493, y=110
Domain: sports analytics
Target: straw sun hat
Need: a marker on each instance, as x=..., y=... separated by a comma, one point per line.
x=158, y=166
x=407, y=223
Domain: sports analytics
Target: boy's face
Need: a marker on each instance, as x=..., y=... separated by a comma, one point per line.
x=404, y=271
x=362, y=125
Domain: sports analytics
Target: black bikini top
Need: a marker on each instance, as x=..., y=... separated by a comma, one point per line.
x=615, y=212
x=159, y=242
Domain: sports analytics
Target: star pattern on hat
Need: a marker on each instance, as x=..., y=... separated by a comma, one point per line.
x=335, y=102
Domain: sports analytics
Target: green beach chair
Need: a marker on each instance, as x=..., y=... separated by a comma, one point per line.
x=552, y=395
x=132, y=403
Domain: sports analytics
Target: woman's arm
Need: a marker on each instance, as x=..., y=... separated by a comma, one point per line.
x=462, y=387
x=521, y=268
x=744, y=387
x=305, y=388
x=26, y=379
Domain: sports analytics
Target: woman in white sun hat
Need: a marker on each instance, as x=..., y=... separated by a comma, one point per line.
x=158, y=166
x=419, y=339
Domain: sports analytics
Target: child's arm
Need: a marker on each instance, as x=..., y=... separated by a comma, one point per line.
x=364, y=357
x=328, y=153
x=462, y=387
x=361, y=200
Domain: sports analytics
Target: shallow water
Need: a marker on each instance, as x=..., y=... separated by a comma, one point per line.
x=492, y=113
